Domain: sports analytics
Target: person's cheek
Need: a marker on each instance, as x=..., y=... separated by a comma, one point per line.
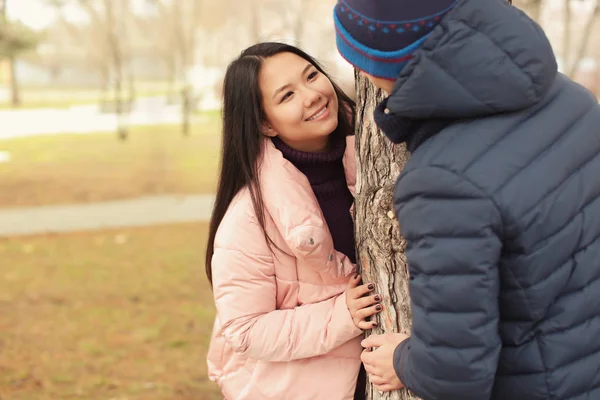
x=298, y=111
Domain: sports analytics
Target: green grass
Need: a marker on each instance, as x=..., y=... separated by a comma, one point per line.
x=74, y=168
x=121, y=314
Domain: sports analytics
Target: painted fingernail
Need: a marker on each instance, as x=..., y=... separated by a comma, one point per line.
x=375, y=324
x=377, y=298
x=371, y=286
x=378, y=308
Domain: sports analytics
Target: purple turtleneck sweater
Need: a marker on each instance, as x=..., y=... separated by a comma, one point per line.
x=325, y=172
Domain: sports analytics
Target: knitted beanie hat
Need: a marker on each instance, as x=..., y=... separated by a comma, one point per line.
x=380, y=36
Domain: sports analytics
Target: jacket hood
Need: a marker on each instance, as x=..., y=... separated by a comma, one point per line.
x=485, y=57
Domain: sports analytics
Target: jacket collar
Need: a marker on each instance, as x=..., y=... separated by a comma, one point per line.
x=413, y=132
x=290, y=202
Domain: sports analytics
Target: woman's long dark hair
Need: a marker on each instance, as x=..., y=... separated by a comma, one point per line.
x=243, y=118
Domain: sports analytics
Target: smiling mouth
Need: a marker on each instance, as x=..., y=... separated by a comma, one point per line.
x=319, y=113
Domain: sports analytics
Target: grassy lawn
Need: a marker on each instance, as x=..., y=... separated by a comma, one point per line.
x=74, y=168
x=106, y=315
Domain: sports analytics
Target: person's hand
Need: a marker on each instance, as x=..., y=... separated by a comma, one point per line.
x=379, y=362
x=362, y=303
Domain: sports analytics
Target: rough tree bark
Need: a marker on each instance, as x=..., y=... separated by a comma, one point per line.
x=380, y=246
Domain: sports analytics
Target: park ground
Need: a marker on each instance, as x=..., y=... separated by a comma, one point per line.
x=121, y=314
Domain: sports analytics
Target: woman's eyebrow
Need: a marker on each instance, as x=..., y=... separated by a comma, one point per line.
x=281, y=89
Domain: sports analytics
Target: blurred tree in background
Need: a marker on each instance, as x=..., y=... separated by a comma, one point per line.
x=15, y=39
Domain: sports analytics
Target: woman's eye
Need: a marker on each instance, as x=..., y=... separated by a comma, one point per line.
x=287, y=96
x=313, y=75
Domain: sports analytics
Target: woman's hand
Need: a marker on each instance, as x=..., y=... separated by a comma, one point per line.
x=362, y=303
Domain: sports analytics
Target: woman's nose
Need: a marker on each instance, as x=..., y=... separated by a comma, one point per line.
x=312, y=97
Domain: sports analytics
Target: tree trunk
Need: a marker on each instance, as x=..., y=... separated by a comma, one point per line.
x=185, y=59
x=118, y=68
x=298, y=22
x=536, y=12
x=12, y=62
x=127, y=58
x=169, y=60
x=189, y=58
x=255, y=20
x=533, y=8
x=587, y=36
x=380, y=247
x=104, y=69
x=14, y=83
x=130, y=85
x=185, y=109
x=567, y=36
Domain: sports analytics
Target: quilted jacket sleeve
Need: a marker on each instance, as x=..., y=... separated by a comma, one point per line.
x=453, y=248
x=244, y=287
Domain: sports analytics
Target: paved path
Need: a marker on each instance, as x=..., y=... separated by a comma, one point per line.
x=85, y=118
x=115, y=214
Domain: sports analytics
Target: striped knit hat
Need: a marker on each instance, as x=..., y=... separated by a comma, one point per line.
x=380, y=36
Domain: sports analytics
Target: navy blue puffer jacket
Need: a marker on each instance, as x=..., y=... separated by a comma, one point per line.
x=500, y=207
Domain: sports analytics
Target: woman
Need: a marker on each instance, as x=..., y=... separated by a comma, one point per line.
x=280, y=256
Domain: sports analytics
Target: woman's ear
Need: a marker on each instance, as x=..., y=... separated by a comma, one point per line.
x=268, y=131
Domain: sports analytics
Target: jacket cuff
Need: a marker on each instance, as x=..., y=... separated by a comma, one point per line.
x=400, y=356
x=341, y=311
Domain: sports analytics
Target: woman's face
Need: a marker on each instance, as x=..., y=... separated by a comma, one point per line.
x=300, y=103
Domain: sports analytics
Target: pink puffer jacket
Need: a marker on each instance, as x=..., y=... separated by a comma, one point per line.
x=282, y=330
